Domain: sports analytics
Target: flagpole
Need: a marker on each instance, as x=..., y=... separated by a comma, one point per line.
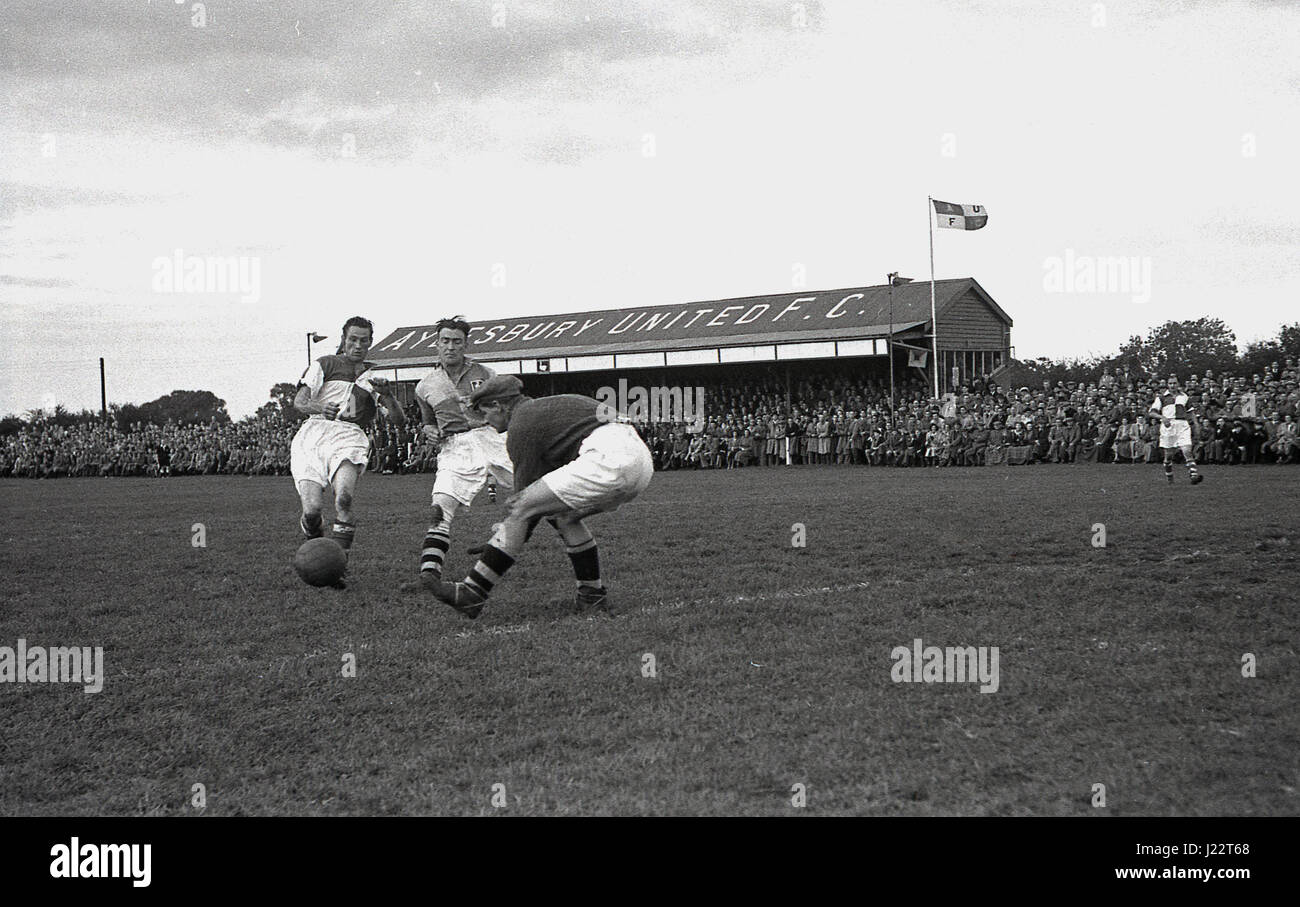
x=934, y=321
x=890, y=278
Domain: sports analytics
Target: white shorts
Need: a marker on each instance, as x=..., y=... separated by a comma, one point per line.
x=322, y=445
x=1178, y=434
x=465, y=461
x=613, y=467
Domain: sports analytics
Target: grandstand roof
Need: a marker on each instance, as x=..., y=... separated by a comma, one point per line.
x=820, y=315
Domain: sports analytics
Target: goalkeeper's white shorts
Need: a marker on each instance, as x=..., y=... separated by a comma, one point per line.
x=613, y=467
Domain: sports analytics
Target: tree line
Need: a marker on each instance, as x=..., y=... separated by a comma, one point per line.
x=1181, y=348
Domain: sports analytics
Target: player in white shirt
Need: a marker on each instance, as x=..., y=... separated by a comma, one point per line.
x=332, y=447
x=1175, y=429
x=471, y=453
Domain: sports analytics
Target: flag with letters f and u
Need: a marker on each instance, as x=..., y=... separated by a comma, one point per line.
x=959, y=217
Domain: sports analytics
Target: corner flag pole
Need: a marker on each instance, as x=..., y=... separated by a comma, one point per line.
x=934, y=321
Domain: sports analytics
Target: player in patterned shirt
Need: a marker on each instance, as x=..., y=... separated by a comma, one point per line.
x=572, y=459
x=1175, y=430
x=470, y=452
x=332, y=447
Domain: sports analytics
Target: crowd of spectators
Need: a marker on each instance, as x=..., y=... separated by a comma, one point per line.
x=402, y=449
x=258, y=445
x=44, y=449
x=825, y=416
x=833, y=420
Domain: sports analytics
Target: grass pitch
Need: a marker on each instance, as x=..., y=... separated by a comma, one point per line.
x=1119, y=666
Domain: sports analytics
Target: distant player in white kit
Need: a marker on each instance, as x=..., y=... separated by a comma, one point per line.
x=470, y=452
x=338, y=394
x=1175, y=430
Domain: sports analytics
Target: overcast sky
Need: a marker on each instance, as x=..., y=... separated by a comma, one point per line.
x=404, y=160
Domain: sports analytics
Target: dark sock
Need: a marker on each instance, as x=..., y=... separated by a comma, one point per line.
x=344, y=533
x=586, y=563
x=436, y=542
x=492, y=565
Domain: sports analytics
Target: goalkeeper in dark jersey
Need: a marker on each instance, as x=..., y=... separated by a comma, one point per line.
x=572, y=459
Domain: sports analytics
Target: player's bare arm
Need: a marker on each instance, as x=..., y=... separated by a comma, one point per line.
x=392, y=409
x=309, y=407
x=429, y=426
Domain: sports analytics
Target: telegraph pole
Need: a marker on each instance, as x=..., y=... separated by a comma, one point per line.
x=894, y=280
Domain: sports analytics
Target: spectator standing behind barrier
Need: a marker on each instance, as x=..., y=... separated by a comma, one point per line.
x=857, y=439
x=978, y=451
x=1286, y=446
x=1073, y=440
x=1125, y=440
